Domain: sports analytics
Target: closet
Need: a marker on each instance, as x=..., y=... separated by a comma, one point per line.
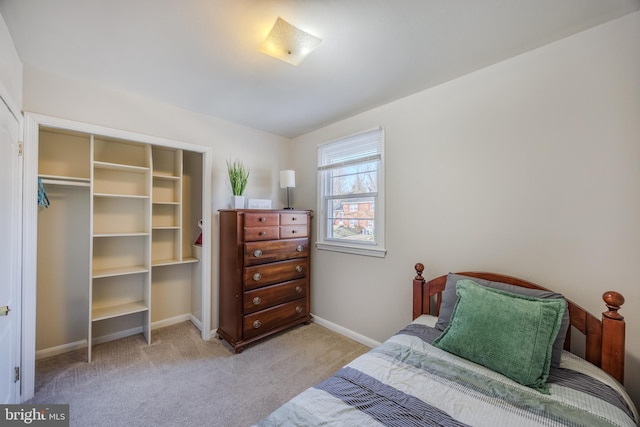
x=116, y=252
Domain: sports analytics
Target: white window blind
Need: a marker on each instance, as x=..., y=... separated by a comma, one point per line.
x=360, y=148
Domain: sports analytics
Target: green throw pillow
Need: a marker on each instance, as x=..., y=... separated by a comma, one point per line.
x=508, y=333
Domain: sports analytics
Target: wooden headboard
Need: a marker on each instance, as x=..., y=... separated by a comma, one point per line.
x=604, y=339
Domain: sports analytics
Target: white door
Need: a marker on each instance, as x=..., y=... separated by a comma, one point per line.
x=10, y=253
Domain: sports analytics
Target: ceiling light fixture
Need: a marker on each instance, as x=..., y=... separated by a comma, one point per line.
x=288, y=43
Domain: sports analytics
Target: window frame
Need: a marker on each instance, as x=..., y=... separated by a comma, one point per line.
x=377, y=247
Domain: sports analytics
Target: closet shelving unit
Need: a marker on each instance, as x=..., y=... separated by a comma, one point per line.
x=167, y=233
x=114, y=251
x=121, y=231
x=136, y=205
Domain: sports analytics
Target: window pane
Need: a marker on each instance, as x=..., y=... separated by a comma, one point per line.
x=356, y=179
x=351, y=219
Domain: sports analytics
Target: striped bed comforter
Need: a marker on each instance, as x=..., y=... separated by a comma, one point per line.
x=407, y=382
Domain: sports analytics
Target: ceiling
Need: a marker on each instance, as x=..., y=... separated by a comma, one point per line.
x=201, y=55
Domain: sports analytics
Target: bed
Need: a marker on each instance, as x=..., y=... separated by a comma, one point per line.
x=461, y=362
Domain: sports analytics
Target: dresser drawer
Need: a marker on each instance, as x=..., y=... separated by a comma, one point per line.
x=293, y=231
x=275, y=250
x=293, y=219
x=268, y=274
x=261, y=233
x=261, y=219
x=262, y=321
x=259, y=299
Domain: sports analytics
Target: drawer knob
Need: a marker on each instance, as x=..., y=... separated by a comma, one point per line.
x=293, y=218
x=257, y=277
x=298, y=289
x=299, y=248
x=299, y=268
x=257, y=253
x=263, y=233
x=263, y=219
x=294, y=231
x=298, y=309
x=257, y=324
x=256, y=301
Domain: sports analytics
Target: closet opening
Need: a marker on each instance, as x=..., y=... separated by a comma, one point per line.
x=117, y=249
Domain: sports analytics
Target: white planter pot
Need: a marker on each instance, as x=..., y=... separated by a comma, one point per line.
x=237, y=202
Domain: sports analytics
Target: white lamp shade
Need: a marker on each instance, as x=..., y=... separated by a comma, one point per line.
x=287, y=179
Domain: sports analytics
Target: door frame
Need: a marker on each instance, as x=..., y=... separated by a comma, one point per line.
x=16, y=241
x=32, y=123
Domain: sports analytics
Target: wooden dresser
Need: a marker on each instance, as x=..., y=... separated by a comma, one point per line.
x=264, y=273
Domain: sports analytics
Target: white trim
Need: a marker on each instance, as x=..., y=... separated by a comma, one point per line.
x=196, y=322
x=207, y=178
x=97, y=130
x=171, y=321
x=358, y=161
x=356, y=250
x=29, y=257
x=374, y=249
x=116, y=335
x=32, y=122
x=60, y=349
x=13, y=324
x=346, y=332
x=351, y=135
x=78, y=345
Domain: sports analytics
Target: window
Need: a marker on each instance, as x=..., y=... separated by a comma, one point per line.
x=351, y=194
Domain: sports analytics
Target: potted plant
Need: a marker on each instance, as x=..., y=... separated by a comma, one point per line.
x=238, y=177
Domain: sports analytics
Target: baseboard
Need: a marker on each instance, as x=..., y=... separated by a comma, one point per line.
x=64, y=348
x=171, y=321
x=196, y=322
x=346, y=332
x=117, y=335
x=54, y=351
x=59, y=349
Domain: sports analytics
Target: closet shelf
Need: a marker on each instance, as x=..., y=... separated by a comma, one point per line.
x=123, y=196
x=166, y=177
x=122, y=234
x=118, y=310
x=169, y=227
x=166, y=203
x=163, y=262
x=120, y=167
x=119, y=271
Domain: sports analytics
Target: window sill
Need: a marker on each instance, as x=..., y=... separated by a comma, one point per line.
x=373, y=251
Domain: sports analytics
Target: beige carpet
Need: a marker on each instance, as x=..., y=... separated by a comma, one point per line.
x=180, y=380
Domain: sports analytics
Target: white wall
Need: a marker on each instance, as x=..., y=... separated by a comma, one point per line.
x=10, y=71
x=264, y=154
x=530, y=167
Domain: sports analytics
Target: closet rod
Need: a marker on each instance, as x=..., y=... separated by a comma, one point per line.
x=65, y=182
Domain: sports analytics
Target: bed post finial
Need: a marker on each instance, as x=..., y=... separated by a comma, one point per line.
x=613, y=301
x=613, y=336
x=419, y=269
x=418, y=291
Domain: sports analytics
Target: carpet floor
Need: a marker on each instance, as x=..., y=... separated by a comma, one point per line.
x=181, y=380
